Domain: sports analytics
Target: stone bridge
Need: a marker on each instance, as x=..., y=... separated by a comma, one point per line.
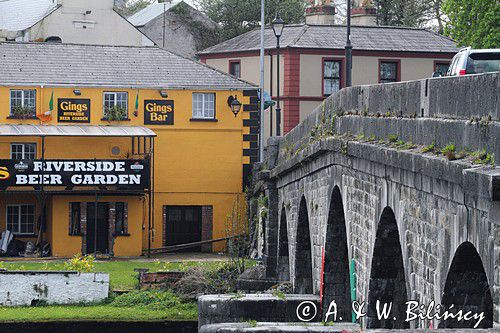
x=390, y=193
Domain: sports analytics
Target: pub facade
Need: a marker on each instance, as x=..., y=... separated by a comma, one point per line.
x=120, y=150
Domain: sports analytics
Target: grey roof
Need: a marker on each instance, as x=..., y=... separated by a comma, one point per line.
x=370, y=38
x=152, y=11
x=18, y=15
x=107, y=66
x=75, y=130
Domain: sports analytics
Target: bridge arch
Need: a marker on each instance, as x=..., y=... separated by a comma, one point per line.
x=336, y=281
x=387, y=277
x=283, y=252
x=467, y=288
x=303, y=283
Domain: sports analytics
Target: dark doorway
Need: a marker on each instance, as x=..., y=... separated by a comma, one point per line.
x=387, y=278
x=303, y=261
x=467, y=289
x=97, y=228
x=336, y=278
x=183, y=226
x=283, y=256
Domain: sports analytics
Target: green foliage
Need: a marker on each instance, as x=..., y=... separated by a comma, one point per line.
x=473, y=23
x=449, y=151
x=208, y=280
x=236, y=17
x=204, y=36
x=279, y=294
x=81, y=264
x=430, y=148
x=134, y=7
x=360, y=136
x=411, y=13
x=483, y=158
x=371, y=138
x=393, y=137
x=154, y=299
x=115, y=113
x=252, y=323
x=22, y=112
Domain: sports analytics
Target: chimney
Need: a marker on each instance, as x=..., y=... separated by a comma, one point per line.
x=364, y=13
x=320, y=12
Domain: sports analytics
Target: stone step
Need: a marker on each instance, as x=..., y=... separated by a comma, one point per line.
x=239, y=308
x=261, y=327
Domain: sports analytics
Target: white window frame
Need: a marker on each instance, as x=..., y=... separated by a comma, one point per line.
x=19, y=207
x=23, y=150
x=204, y=114
x=115, y=99
x=23, y=92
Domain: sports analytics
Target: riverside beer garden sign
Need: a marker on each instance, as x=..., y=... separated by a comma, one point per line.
x=73, y=110
x=121, y=174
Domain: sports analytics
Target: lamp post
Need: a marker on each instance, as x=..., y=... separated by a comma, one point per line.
x=278, y=25
x=348, y=48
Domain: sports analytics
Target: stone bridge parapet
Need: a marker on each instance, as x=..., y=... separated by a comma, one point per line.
x=391, y=193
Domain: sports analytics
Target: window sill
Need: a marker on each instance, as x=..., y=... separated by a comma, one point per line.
x=22, y=118
x=106, y=119
x=210, y=120
x=24, y=235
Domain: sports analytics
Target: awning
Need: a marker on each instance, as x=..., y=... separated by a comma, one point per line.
x=75, y=130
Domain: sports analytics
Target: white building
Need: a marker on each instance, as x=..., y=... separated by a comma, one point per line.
x=67, y=21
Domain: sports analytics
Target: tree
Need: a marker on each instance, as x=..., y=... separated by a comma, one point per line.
x=236, y=16
x=132, y=7
x=409, y=13
x=473, y=23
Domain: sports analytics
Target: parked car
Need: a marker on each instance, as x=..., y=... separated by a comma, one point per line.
x=471, y=61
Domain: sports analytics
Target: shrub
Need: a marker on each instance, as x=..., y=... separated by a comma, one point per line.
x=22, y=112
x=449, y=151
x=115, y=113
x=81, y=264
x=393, y=138
x=207, y=280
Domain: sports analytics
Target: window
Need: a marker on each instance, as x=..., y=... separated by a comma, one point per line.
x=22, y=102
x=331, y=76
x=113, y=100
x=389, y=71
x=441, y=67
x=203, y=105
x=21, y=219
x=75, y=219
x=23, y=151
x=121, y=218
x=235, y=68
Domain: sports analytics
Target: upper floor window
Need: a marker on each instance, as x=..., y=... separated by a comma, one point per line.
x=23, y=151
x=389, y=71
x=21, y=219
x=116, y=105
x=203, y=105
x=235, y=68
x=331, y=76
x=23, y=103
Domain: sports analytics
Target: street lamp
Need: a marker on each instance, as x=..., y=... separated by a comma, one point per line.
x=278, y=25
x=234, y=104
x=348, y=48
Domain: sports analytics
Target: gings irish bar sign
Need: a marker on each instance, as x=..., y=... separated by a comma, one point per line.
x=158, y=112
x=119, y=174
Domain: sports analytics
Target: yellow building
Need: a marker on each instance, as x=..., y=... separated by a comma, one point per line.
x=92, y=133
